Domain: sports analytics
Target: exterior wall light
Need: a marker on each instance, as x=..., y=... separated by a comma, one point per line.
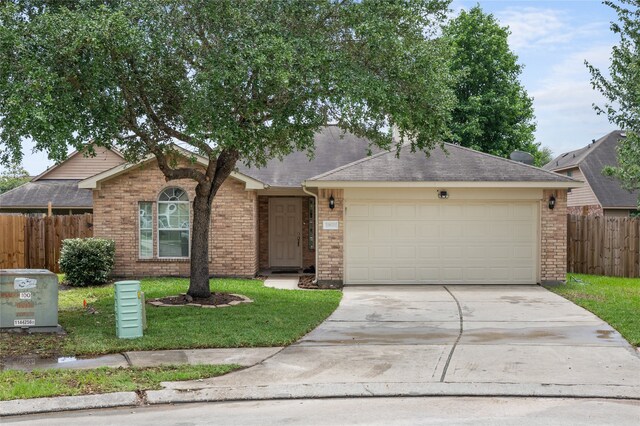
x=443, y=194
x=552, y=202
x=332, y=202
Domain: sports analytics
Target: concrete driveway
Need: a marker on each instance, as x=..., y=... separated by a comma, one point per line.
x=436, y=340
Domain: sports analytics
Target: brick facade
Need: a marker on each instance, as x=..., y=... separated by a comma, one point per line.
x=330, y=242
x=308, y=256
x=553, y=234
x=233, y=234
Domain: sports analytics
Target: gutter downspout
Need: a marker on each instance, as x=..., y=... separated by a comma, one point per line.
x=315, y=228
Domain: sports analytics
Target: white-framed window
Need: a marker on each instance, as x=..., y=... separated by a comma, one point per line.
x=145, y=228
x=173, y=223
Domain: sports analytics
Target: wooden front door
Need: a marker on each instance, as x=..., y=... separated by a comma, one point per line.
x=285, y=232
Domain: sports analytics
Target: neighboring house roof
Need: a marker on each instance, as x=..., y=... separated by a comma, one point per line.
x=78, y=166
x=63, y=193
x=333, y=148
x=591, y=160
x=458, y=164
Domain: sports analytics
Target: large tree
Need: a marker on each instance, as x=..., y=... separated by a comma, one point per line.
x=494, y=113
x=622, y=91
x=230, y=80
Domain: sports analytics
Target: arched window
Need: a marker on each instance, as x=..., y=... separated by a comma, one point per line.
x=173, y=223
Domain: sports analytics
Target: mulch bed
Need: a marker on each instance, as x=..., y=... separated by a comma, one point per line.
x=215, y=299
x=307, y=282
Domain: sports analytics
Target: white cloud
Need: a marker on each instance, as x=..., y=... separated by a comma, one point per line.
x=564, y=101
x=535, y=28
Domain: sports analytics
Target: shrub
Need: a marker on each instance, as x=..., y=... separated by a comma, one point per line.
x=87, y=261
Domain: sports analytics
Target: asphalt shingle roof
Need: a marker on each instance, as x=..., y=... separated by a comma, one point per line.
x=333, y=148
x=61, y=193
x=459, y=165
x=592, y=159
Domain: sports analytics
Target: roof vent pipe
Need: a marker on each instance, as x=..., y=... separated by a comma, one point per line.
x=522, y=157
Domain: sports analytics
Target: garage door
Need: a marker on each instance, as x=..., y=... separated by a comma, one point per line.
x=441, y=243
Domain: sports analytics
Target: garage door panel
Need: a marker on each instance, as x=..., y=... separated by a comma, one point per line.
x=421, y=242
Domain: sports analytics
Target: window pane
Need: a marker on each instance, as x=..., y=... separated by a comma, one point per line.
x=145, y=224
x=173, y=194
x=173, y=215
x=173, y=243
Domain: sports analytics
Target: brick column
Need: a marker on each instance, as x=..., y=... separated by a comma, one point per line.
x=330, y=243
x=553, y=236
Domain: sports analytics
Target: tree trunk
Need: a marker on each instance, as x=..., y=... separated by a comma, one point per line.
x=199, y=281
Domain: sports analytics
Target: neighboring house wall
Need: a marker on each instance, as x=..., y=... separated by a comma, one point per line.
x=554, y=237
x=330, y=242
x=308, y=256
x=233, y=234
x=582, y=196
x=617, y=212
x=592, y=210
x=80, y=167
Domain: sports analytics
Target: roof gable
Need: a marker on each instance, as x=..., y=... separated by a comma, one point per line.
x=457, y=164
x=77, y=166
x=93, y=182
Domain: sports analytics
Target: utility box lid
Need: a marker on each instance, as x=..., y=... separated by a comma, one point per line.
x=28, y=299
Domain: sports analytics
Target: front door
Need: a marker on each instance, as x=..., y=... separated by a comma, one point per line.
x=285, y=232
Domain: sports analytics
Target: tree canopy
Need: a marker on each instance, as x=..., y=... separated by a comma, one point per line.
x=14, y=176
x=230, y=80
x=622, y=92
x=494, y=113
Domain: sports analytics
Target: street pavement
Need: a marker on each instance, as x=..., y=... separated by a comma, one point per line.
x=362, y=411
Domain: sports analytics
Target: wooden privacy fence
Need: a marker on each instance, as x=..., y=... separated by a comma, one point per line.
x=603, y=246
x=35, y=242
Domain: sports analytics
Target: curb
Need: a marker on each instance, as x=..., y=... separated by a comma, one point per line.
x=68, y=403
x=359, y=390
x=314, y=391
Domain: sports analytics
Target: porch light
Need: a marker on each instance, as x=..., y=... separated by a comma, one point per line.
x=552, y=202
x=332, y=202
x=443, y=194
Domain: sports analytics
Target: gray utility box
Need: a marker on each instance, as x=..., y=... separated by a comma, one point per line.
x=29, y=300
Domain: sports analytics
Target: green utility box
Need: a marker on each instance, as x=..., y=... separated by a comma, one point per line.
x=29, y=300
x=129, y=309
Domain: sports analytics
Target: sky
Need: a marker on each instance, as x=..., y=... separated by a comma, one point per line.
x=552, y=40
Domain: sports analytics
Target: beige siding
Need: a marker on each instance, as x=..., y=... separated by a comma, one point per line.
x=582, y=196
x=80, y=167
x=616, y=212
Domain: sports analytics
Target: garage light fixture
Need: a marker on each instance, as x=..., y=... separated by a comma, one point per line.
x=552, y=202
x=332, y=202
x=443, y=194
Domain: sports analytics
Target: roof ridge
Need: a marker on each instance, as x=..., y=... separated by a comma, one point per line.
x=353, y=163
x=510, y=161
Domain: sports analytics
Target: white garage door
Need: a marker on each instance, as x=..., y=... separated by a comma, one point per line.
x=441, y=243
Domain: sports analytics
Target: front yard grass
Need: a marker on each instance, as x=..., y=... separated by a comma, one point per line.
x=615, y=300
x=275, y=318
x=45, y=383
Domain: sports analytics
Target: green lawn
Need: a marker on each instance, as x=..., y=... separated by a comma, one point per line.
x=275, y=318
x=615, y=300
x=45, y=383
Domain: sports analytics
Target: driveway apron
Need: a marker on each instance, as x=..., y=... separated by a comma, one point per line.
x=449, y=335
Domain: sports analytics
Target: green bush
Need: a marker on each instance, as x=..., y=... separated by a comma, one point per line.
x=87, y=261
